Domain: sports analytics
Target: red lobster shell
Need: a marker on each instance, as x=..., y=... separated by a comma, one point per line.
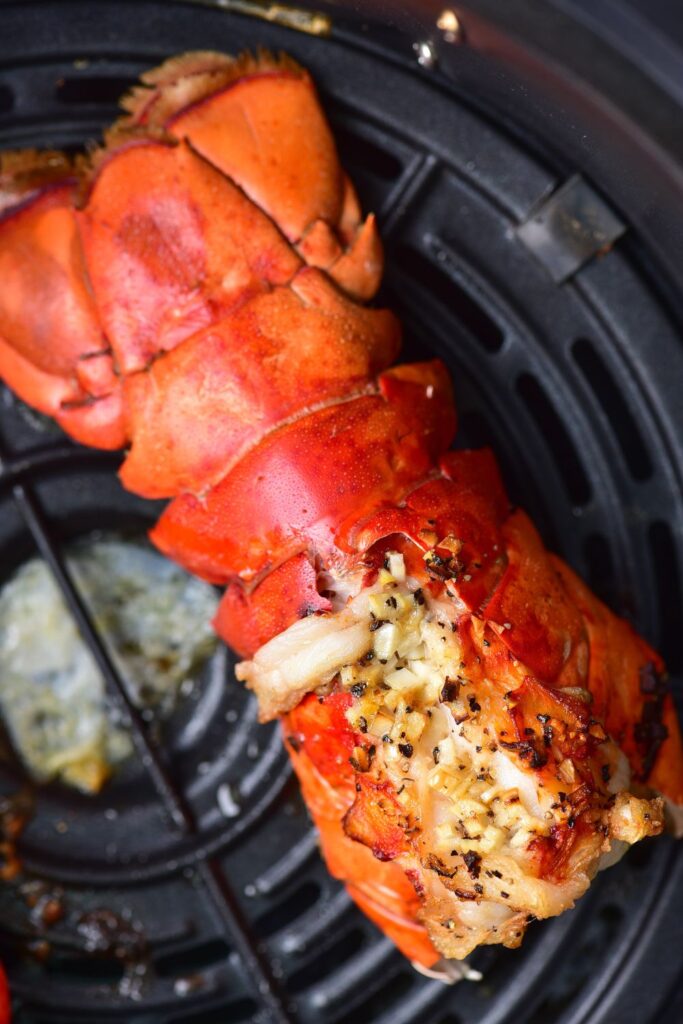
x=194, y=292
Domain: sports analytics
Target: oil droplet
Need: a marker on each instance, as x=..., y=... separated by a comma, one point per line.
x=227, y=801
x=185, y=986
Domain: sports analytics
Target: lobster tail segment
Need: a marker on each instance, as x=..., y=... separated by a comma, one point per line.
x=258, y=120
x=300, y=486
x=53, y=352
x=172, y=245
x=282, y=353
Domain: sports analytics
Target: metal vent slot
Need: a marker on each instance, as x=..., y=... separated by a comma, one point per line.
x=385, y=1001
x=423, y=271
x=605, y=389
x=85, y=969
x=92, y=89
x=332, y=959
x=192, y=959
x=663, y=552
x=360, y=151
x=283, y=913
x=600, y=932
x=243, y=1009
x=600, y=565
x=555, y=433
x=6, y=99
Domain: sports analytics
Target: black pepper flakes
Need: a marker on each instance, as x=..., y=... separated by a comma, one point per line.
x=449, y=691
x=435, y=863
x=442, y=567
x=464, y=894
x=528, y=752
x=406, y=749
x=358, y=689
x=472, y=863
x=436, y=753
x=418, y=596
x=474, y=704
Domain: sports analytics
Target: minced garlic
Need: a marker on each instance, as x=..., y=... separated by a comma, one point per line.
x=405, y=700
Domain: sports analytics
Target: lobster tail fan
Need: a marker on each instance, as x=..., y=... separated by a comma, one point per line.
x=53, y=352
x=258, y=119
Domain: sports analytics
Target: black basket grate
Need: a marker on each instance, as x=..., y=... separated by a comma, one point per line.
x=574, y=385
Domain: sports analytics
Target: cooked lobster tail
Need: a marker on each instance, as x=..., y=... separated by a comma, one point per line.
x=193, y=291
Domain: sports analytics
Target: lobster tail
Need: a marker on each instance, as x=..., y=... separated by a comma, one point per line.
x=464, y=716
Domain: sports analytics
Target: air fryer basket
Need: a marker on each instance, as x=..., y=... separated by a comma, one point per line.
x=175, y=912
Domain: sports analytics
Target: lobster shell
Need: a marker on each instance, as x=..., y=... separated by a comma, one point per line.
x=193, y=291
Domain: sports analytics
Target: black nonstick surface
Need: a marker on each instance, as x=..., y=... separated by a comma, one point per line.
x=174, y=912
